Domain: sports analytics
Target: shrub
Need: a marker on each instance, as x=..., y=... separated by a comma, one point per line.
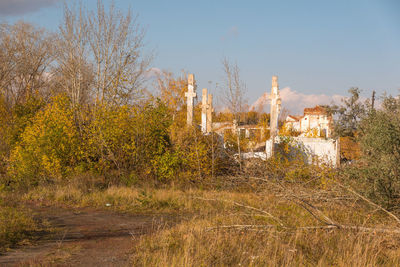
x=380, y=144
x=15, y=226
x=4, y=148
x=152, y=124
x=49, y=147
x=201, y=155
x=111, y=138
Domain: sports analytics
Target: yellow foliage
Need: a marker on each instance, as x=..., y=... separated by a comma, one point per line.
x=312, y=133
x=111, y=137
x=231, y=141
x=195, y=151
x=264, y=123
x=287, y=130
x=49, y=146
x=3, y=134
x=223, y=116
x=172, y=90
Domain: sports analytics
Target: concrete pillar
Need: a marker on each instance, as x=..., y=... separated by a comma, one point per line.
x=190, y=95
x=275, y=110
x=204, y=111
x=210, y=110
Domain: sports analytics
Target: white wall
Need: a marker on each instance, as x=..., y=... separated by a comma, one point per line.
x=316, y=149
x=323, y=150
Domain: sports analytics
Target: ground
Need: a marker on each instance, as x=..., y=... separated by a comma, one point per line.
x=85, y=237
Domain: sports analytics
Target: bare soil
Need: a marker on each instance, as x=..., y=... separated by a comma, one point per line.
x=85, y=237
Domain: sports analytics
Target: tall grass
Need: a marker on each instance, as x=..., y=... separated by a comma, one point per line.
x=194, y=243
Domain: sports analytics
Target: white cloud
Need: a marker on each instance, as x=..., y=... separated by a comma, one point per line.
x=19, y=7
x=295, y=102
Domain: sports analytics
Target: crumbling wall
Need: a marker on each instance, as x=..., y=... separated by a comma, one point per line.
x=314, y=150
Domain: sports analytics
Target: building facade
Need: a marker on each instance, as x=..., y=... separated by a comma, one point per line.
x=316, y=122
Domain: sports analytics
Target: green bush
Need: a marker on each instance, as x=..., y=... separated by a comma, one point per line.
x=378, y=171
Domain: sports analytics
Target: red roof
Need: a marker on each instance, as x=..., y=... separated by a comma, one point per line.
x=296, y=118
x=317, y=110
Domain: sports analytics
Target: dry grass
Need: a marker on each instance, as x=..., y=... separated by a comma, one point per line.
x=260, y=223
x=281, y=225
x=16, y=227
x=193, y=243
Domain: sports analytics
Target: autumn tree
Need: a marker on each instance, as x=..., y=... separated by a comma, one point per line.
x=172, y=90
x=26, y=54
x=349, y=114
x=74, y=73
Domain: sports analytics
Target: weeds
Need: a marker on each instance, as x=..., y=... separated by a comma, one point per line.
x=16, y=227
x=191, y=244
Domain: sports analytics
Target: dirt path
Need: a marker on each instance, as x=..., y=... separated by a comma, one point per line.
x=86, y=237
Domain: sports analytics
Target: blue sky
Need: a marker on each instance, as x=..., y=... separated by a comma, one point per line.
x=315, y=47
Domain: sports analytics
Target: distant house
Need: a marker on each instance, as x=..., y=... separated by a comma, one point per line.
x=315, y=122
x=293, y=122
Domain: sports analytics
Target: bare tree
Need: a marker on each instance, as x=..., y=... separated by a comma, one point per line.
x=101, y=55
x=234, y=90
x=74, y=72
x=116, y=41
x=26, y=53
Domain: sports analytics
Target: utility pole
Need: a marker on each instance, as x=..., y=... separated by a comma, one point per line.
x=373, y=100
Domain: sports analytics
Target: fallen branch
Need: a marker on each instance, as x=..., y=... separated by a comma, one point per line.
x=243, y=206
x=307, y=206
x=370, y=202
x=322, y=227
x=349, y=190
x=240, y=226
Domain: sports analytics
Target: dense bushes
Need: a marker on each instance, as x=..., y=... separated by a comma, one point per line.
x=132, y=142
x=379, y=168
x=49, y=147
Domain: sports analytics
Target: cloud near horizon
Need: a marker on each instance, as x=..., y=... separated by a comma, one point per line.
x=295, y=102
x=20, y=7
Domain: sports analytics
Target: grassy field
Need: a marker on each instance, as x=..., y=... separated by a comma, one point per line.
x=257, y=222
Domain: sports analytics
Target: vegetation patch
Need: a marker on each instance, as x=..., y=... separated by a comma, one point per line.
x=17, y=227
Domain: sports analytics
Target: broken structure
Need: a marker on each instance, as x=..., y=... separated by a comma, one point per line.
x=312, y=149
x=275, y=106
x=206, y=112
x=316, y=122
x=274, y=114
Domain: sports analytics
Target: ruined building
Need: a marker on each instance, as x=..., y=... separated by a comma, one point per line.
x=316, y=122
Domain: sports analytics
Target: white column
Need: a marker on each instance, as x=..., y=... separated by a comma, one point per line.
x=204, y=111
x=190, y=95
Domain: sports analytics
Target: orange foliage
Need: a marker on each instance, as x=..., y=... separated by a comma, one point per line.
x=172, y=90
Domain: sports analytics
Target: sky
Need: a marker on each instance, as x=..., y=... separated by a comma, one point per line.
x=318, y=49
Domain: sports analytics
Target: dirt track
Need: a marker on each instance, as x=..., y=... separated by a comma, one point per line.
x=85, y=237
